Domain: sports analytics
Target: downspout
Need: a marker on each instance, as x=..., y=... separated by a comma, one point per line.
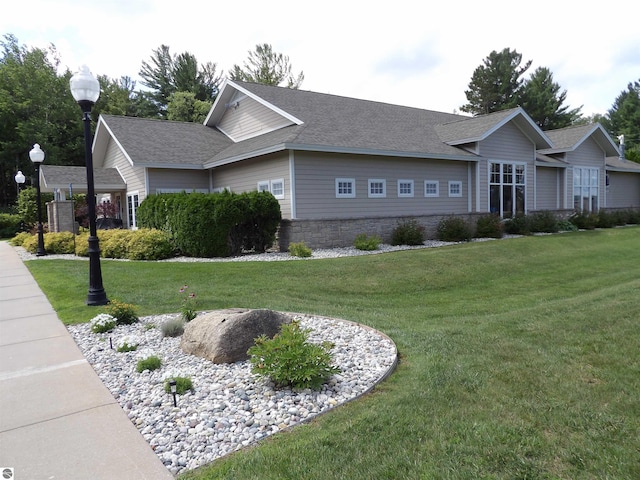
x=292, y=184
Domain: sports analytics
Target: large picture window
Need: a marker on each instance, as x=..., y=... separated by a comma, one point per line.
x=507, y=189
x=586, y=189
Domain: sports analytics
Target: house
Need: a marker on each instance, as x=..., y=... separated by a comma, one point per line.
x=342, y=166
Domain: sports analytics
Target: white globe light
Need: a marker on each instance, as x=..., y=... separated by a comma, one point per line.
x=36, y=154
x=84, y=86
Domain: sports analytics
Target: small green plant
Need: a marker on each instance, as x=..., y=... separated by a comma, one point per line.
x=520, y=224
x=173, y=327
x=408, y=232
x=128, y=344
x=566, y=226
x=489, y=226
x=367, y=243
x=103, y=323
x=289, y=360
x=150, y=363
x=299, y=249
x=183, y=385
x=189, y=303
x=454, y=229
x=125, y=313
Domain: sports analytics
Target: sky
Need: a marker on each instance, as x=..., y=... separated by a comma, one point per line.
x=397, y=51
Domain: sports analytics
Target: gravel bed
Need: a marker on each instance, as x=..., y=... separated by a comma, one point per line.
x=229, y=408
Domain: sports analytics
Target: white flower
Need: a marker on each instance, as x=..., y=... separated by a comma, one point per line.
x=102, y=319
x=129, y=341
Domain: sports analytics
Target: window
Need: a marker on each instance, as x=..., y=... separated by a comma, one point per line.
x=455, y=189
x=277, y=188
x=377, y=188
x=405, y=188
x=263, y=186
x=133, y=200
x=585, y=189
x=345, y=188
x=507, y=188
x=431, y=188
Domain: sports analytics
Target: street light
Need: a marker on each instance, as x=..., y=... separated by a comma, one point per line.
x=37, y=157
x=19, y=180
x=86, y=90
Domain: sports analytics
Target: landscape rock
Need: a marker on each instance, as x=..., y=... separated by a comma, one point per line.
x=224, y=336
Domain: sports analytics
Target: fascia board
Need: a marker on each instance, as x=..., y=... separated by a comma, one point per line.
x=115, y=139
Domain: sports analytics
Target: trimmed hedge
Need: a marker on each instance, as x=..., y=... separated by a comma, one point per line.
x=213, y=225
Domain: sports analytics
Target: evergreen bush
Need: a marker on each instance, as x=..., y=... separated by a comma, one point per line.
x=366, y=243
x=408, y=232
x=518, y=225
x=454, y=229
x=543, y=221
x=489, y=226
x=299, y=249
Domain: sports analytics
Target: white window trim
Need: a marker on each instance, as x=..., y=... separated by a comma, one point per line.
x=263, y=186
x=181, y=190
x=455, y=183
x=432, y=182
x=405, y=195
x=352, y=181
x=281, y=181
x=131, y=219
x=373, y=181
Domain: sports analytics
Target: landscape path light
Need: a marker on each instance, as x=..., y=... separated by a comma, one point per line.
x=37, y=157
x=174, y=389
x=85, y=89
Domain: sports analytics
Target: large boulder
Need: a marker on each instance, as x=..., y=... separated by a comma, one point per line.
x=224, y=336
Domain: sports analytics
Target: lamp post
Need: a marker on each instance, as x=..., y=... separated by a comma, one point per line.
x=19, y=180
x=37, y=157
x=86, y=90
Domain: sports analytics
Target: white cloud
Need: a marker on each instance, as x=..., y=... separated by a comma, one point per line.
x=404, y=52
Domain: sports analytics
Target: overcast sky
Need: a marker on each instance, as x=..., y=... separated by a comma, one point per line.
x=403, y=52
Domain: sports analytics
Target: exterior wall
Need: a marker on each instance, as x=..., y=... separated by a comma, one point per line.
x=134, y=176
x=507, y=144
x=249, y=118
x=549, y=188
x=315, y=186
x=244, y=176
x=623, y=190
x=177, y=180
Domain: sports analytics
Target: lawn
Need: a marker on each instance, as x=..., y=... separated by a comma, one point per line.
x=519, y=358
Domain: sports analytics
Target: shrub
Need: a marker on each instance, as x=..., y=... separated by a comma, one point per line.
x=9, y=224
x=150, y=363
x=59, y=242
x=173, y=327
x=543, y=221
x=28, y=205
x=299, y=249
x=113, y=243
x=20, y=238
x=183, y=384
x=103, y=323
x=408, y=232
x=454, y=229
x=128, y=344
x=148, y=244
x=364, y=242
x=566, y=226
x=584, y=220
x=489, y=226
x=518, y=225
x=606, y=219
x=124, y=313
x=289, y=360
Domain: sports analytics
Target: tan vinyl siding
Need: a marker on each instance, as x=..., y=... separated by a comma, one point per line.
x=187, y=180
x=250, y=118
x=316, y=175
x=244, y=176
x=623, y=190
x=549, y=188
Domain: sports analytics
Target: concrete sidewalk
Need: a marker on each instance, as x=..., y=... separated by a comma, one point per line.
x=57, y=419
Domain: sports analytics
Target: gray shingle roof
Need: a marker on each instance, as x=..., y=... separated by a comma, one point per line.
x=57, y=176
x=343, y=123
x=164, y=143
x=622, y=165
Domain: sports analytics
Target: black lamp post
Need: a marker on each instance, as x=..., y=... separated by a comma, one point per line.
x=86, y=90
x=37, y=157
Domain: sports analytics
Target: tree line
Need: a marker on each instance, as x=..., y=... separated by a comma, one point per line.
x=36, y=104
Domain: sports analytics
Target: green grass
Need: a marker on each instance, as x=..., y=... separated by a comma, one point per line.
x=519, y=358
